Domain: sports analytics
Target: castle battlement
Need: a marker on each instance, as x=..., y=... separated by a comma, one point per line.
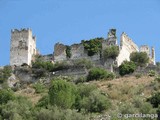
x=21, y=30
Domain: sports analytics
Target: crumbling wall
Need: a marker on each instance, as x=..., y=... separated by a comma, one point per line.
x=59, y=52
x=127, y=46
x=77, y=52
x=145, y=48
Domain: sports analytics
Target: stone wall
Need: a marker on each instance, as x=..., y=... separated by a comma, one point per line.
x=23, y=47
x=145, y=48
x=127, y=46
x=77, y=52
x=150, y=53
x=59, y=52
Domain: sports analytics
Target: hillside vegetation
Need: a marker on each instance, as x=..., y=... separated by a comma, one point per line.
x=40, y=92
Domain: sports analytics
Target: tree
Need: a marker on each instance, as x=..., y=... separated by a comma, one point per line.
x=5, y=96
x=68, y=51
x=140, y=58
x=155, y=100
x=62, y=94
x=99, y=73
x=5, y=73
x=111, y=52
x=93, y=46
x=127, y=67
x=90, y=99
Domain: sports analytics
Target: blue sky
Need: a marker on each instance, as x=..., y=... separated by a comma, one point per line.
x=70, y=21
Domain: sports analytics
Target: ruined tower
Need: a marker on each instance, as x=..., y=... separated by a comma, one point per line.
x=22, y=47
x=153, y=56
x=112, y=39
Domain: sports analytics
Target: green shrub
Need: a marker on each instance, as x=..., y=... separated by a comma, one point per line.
x=127, y=108
x=43, y=102
x=5, y=73
x=155, y=100
x=83, y=62
x=96, y=102
x=60, y=66
x=40, y=72
x=91, y=100
x=5, y=96
x=140, y=58
x=55, y=113
x=111, y=52
x=62, y=94
x=127, y=67
x=137, y=102
x=151, y=73
x=68, y=51
x=81, y=79
x=45, y=65
x=157, y=79
x=20, y=108
x=138, y=76
x=145, y=108
x=39, y=87
x=99, y=73
x=93, y=46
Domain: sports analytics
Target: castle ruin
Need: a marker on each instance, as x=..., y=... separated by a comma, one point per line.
x=22, y=47
x=126, y=47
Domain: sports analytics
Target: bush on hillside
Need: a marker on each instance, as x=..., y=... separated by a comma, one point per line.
x=155, y=100
x=140, y=58
x=39, y=87
x=55, y=113
x=62, y=94
x=127, y=67
x=17, y=109
x=43, y=102
x=45, y=65
x=83, y=62
x=91, y=100
x=93, y=46
x=5, y=96
x=99, y=73
x=68, y=51
x=111, y=52
x=151, y=73
x=5, y=73
x=60, y=66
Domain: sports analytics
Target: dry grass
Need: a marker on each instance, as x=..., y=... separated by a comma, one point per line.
x=126, y=88
x=30, y=94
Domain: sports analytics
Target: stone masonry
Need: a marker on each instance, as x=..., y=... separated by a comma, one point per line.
x=23, y=47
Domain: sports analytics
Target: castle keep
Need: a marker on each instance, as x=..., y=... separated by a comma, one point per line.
x=23, y=47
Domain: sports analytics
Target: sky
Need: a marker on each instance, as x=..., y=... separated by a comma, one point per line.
x=70, y=21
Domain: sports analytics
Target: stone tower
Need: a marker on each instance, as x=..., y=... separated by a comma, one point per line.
x=112, y=39
x=22, y=47
x=153, y=56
